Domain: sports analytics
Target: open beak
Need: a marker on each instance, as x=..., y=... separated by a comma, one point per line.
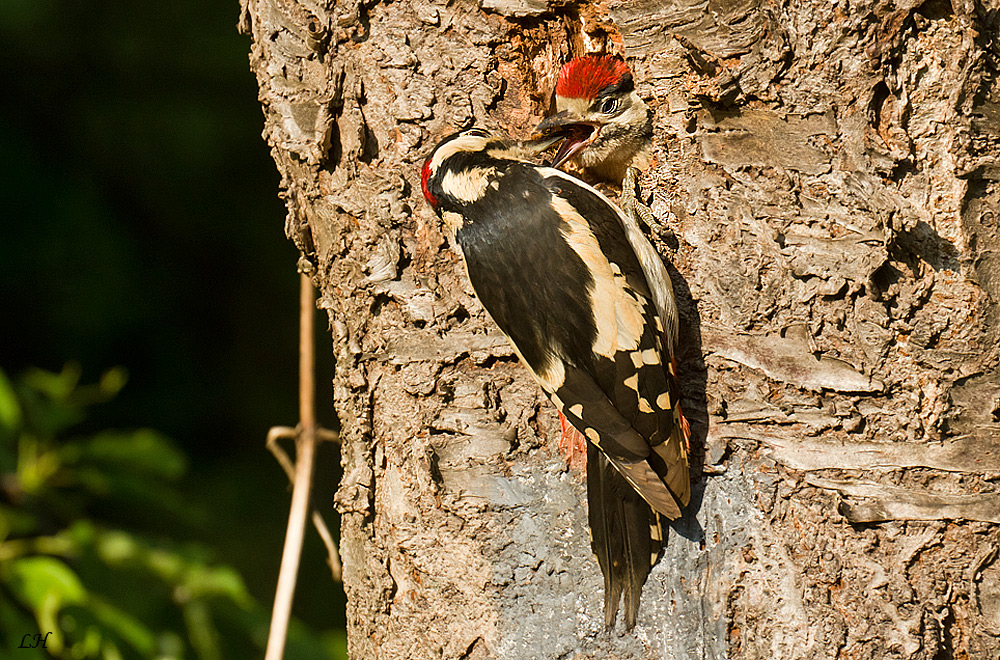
x=575, y=133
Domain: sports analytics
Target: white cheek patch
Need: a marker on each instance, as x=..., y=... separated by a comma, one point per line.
x=467, y=185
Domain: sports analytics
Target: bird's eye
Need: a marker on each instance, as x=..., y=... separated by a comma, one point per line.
x=477, y=132
x=609, y=105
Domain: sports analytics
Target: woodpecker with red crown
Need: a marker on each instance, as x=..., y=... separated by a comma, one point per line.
x=605, y=125
x=589, y=308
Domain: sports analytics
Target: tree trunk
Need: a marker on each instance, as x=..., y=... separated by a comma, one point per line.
x=826, y=179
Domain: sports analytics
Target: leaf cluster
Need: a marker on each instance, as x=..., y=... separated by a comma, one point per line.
x=83, y=555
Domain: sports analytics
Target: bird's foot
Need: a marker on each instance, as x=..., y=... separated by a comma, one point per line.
x=572, y=444
x=638, y=211
x=631, y=204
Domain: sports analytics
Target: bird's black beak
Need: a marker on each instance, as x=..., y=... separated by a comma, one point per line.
x=538, y=144
x=575, y=133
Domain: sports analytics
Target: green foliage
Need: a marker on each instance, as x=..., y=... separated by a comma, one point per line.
x=69, y=567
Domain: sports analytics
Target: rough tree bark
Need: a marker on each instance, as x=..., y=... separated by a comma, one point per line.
x=826, y=179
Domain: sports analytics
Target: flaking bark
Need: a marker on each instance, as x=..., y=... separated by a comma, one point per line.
x=826, y=187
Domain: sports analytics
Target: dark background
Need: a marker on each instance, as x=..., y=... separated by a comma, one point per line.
x=142, y=227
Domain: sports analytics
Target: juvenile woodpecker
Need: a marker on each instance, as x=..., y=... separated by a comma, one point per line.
x=606, y=126
x=589, y=308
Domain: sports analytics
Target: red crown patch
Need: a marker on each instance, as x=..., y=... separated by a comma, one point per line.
x=425, y=175
x=584, y=77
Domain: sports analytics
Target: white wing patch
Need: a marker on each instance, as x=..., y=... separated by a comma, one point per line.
x=656, y=274
x=551, y=376
x=618, y=316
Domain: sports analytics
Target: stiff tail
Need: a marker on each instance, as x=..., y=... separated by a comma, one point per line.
x=626, y=535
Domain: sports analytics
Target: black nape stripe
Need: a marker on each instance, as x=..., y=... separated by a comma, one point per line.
x=623, y=86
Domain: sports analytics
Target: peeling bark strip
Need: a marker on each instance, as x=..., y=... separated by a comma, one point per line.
x=830, y=174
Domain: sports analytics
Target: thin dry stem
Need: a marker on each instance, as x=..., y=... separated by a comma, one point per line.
x=281, y=432
x=305, y=443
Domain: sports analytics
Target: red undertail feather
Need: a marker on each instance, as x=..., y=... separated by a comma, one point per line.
x=685, y=429
x=572, y=444
x=685, y=426
x=584, y=77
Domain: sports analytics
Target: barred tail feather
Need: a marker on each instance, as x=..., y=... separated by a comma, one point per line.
x=625, y=535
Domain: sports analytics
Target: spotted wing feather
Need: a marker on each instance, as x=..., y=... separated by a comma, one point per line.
x=637, y=377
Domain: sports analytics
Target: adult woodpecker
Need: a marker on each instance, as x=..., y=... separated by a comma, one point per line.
x=588, y=307
x=606, y=126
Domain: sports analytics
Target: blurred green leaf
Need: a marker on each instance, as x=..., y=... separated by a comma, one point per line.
x=336, y=644
x=35, y=580
x=124, y=626
x=57, y=386
x=16, y=624
x=170, y=646
x=145, y=451
x=15, y=522
x=202, y=631
x=184, y=568
x=44, y=397
x=216, y=581
x=44, y=585
x=35, y=464
x=112, y=381
x=87, y=640
x=116, y=547
x=10, y=409
x=110, y=652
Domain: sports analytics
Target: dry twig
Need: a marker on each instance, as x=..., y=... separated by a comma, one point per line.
x=306, y=435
